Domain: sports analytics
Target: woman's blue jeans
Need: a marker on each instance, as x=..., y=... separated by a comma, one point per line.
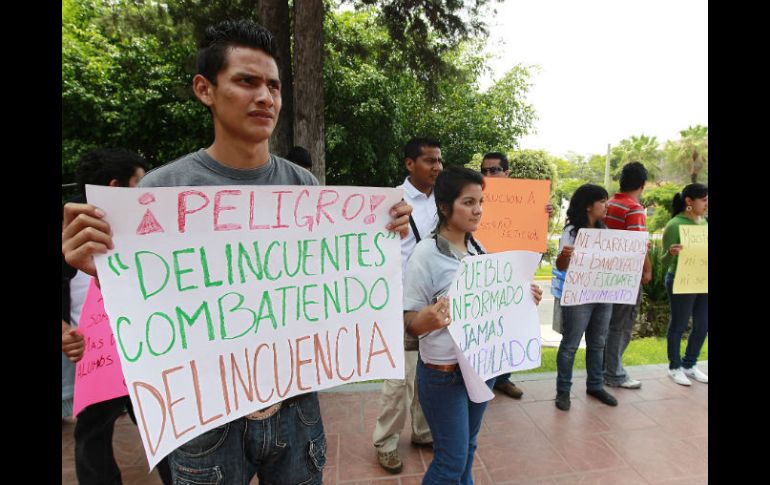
x=454, y=422
x=682, y=307
x=593, y=319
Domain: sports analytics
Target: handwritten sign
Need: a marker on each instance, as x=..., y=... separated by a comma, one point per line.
x=98, y=374
x=494, y=317
x=692, y=267
x=514, y=215
x=606, y=267
x=225, y=300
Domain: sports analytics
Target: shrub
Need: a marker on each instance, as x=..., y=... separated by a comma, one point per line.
x=652, y=320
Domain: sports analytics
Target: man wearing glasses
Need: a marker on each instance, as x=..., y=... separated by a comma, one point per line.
x=495, y=164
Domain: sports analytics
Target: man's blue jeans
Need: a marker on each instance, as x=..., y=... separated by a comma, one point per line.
x=454, y=422
x=682, y=306
x=618, y=337
x=593, y=319
x=286, y=448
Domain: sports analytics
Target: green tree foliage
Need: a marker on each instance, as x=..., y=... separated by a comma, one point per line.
x=424, y=31
x=127, y=66
x=121, y=87
x=373, y=105
x=659, y=197
x=640, y=148
x=689, y=154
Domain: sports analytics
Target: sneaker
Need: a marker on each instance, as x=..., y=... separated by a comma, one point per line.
x=390, y=461
x=562, y=400
x=603, y=396
x=631, y=384
x=695, y=373
x=627, y=384
x=510, y=389
x=678, y=376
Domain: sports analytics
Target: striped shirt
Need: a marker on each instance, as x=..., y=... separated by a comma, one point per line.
x=625, y=212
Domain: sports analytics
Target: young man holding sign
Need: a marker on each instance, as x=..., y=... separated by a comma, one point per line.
x=238, y=82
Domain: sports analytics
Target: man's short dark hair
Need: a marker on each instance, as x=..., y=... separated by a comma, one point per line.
x=497, y=155
x=301, y=157
x=212, y=49
x=101, y=166
x=413, y=147
x=632, y=177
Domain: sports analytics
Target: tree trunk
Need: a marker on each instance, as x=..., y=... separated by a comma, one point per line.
x=308, y=82
x=697, y=165
x=274, y=15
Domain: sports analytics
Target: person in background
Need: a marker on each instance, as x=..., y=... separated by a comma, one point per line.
x=689, y=209
x=423, y=162
x=301, y=157
x=495, y=164
x=587, y=208
x=626, y=213
x=94, y=427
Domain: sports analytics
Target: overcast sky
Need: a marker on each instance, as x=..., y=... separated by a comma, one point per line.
x=610, y=68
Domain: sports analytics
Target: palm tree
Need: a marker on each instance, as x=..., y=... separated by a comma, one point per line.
x=643, y=148
x=690, y=152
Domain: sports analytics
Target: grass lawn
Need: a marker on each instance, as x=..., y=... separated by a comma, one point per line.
x=650, y=350
x=543, y=270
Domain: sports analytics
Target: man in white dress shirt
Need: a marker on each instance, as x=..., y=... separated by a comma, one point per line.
x=422, y=157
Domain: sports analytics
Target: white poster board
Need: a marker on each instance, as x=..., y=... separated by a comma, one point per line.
x=495, y=324
x=226, y=300
x=606, y=267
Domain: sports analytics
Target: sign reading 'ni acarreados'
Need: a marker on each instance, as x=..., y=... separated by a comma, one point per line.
x=606, y=267
x=225, y=300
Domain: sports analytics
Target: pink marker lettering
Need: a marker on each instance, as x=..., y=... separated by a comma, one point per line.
x=218, y=208
x=305, y=220
x=322, y=204
x=346, y=205
x=183, y=211
x=374, y=201
x=251, y=215
x=278, y=209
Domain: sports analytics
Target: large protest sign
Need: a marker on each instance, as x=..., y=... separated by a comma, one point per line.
x=606, y=267
x=98, y=375
x=494, y=317
x=514, y=215
x=225, y=300
x=692, y=267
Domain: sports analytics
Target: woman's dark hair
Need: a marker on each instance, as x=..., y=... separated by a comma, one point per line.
x=693, y=191
x=449, y=183
x=584, y=197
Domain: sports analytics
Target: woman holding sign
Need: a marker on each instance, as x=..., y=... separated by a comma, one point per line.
x=688, y=209
x=454, y=420
x=587, y=209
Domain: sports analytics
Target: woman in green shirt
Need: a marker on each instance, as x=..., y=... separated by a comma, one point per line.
x=688, y=208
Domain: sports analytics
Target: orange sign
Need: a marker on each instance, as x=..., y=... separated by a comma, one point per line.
x=514, y=215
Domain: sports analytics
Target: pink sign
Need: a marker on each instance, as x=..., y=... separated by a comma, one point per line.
x=98, y=375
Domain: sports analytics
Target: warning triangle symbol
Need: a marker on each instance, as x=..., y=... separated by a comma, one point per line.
x=149, y=224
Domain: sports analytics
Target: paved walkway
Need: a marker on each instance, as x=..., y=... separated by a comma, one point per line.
x=656, y=435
